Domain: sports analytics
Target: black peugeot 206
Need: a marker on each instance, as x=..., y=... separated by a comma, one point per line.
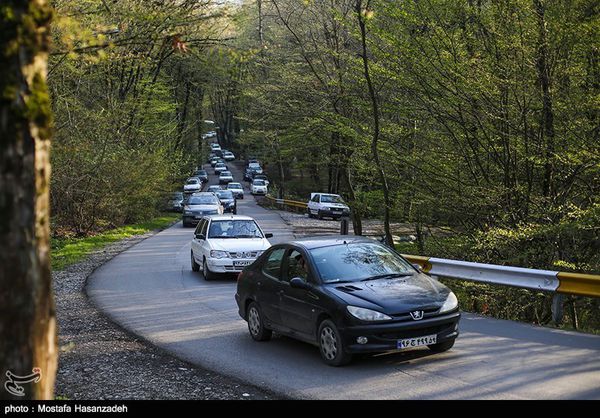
x=346, y=295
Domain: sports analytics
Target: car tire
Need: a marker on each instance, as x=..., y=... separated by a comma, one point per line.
x=208, y=275
x=441, y=347
x=310, y=215
x=319, y=215
x=195, y=266
x=256, y=325
x=331, y=345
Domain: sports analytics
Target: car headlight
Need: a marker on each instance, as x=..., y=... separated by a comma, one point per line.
x=450, y=304
x=367, y=314
x=219, y=254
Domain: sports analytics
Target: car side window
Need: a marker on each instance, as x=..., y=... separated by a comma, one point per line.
x=316, y=198
x=204, y=227
x=272, y=266
x=296, y=266
x=199, y=227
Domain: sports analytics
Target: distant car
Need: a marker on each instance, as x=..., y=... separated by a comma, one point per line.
x=225, y=177
x=259, y=187
x=202, y=175
x=236, y=189
x=199, y=205
x=214, y=146
x=215, y=251
x=228, y=156
x=175, y=202
x=216, y=160
x=192, y=185
x=220, y=167
x=227, y=200
x=211, y=156
x=261, y=177
x=251, y=159
x=256, y=168
x=214, y=188
x=323, y=205
x=248, y=174
x=346, y=295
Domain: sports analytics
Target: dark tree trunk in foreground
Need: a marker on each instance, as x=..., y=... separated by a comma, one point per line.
x=27, y=316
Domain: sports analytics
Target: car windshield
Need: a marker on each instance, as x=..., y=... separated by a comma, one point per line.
x=192, y=181
x=234, y=229
x=226, y=173
x=254, y=165
x=220, y=165
x=259, y=183
x=203, y=200
x=358, y=261
x=202, y=173
x=234, y=186
x=331, y=198
x=225, y=194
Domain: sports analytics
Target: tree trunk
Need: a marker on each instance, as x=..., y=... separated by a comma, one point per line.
x=375, y=108
x=27, y=314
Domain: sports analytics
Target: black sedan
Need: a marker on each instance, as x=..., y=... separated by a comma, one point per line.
x=346, y=295
x=228, y=200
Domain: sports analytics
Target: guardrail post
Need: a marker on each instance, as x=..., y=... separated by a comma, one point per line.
x=344, y=225
x=557, y=308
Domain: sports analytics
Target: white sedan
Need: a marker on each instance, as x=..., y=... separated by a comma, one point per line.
x=258, y=187
x=192, y=185
x=226, y=244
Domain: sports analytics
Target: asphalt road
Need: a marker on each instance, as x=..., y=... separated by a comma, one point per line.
x=151, y=290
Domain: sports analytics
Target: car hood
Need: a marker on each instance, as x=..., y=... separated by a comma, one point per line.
x=202, y=207
x=239, y=244
x=393, y=296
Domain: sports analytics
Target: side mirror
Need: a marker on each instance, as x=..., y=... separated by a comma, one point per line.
x=269, y=235
x=418, y=267
x=298, y=283
x=200, y=236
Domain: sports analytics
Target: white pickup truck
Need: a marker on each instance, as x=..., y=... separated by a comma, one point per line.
x=329, y=205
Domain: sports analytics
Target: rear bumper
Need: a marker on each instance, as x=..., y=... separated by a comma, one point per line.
x=384, y=337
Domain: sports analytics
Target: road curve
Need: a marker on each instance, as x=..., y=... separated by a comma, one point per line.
x=151, y=290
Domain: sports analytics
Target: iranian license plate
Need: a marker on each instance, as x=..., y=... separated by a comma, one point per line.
x=417, y=342
x=241, y=263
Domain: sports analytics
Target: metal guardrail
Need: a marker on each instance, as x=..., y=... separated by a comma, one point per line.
x=286, y=202
x=543, y=280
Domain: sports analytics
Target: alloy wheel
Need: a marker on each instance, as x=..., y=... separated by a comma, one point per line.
x=328, y=343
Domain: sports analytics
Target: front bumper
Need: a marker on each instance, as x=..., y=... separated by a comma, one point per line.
x=263, y=192
x=226, y=265
x=384, y=337
x=334, y=213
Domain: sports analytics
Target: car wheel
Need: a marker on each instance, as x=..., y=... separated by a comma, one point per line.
x=208, y=275
x=195, y=266
x=310, y=215
x=319, y=215
x=441, y=347
x=256, y=325
x=331, y=345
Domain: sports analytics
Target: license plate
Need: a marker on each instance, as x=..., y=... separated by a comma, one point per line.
x=242, y=263
x=417, y=342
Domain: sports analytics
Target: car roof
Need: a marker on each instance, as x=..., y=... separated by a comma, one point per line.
x=203, y=194
x=319, y=241
x=230, y=217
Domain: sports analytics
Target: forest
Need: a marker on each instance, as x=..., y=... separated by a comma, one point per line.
x=480, y=117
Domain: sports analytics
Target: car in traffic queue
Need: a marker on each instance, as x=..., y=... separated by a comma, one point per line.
x=228, y=201
x=214, y=188
x=259, y=187
x=202, y=175
x=220, y=167
x=248, y=174
x=346, y=295
x=199, y=205
x=256, y=168
x=226, y=244
x=215, y=147
x=228, y=156
x=215, y=161
x=225, y=177
x=175, y=202
x=237, y=189
x=192, y=185
x=329, y=205
x=261, y=177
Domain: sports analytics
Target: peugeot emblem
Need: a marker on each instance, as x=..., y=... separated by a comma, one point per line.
x=416, y=315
